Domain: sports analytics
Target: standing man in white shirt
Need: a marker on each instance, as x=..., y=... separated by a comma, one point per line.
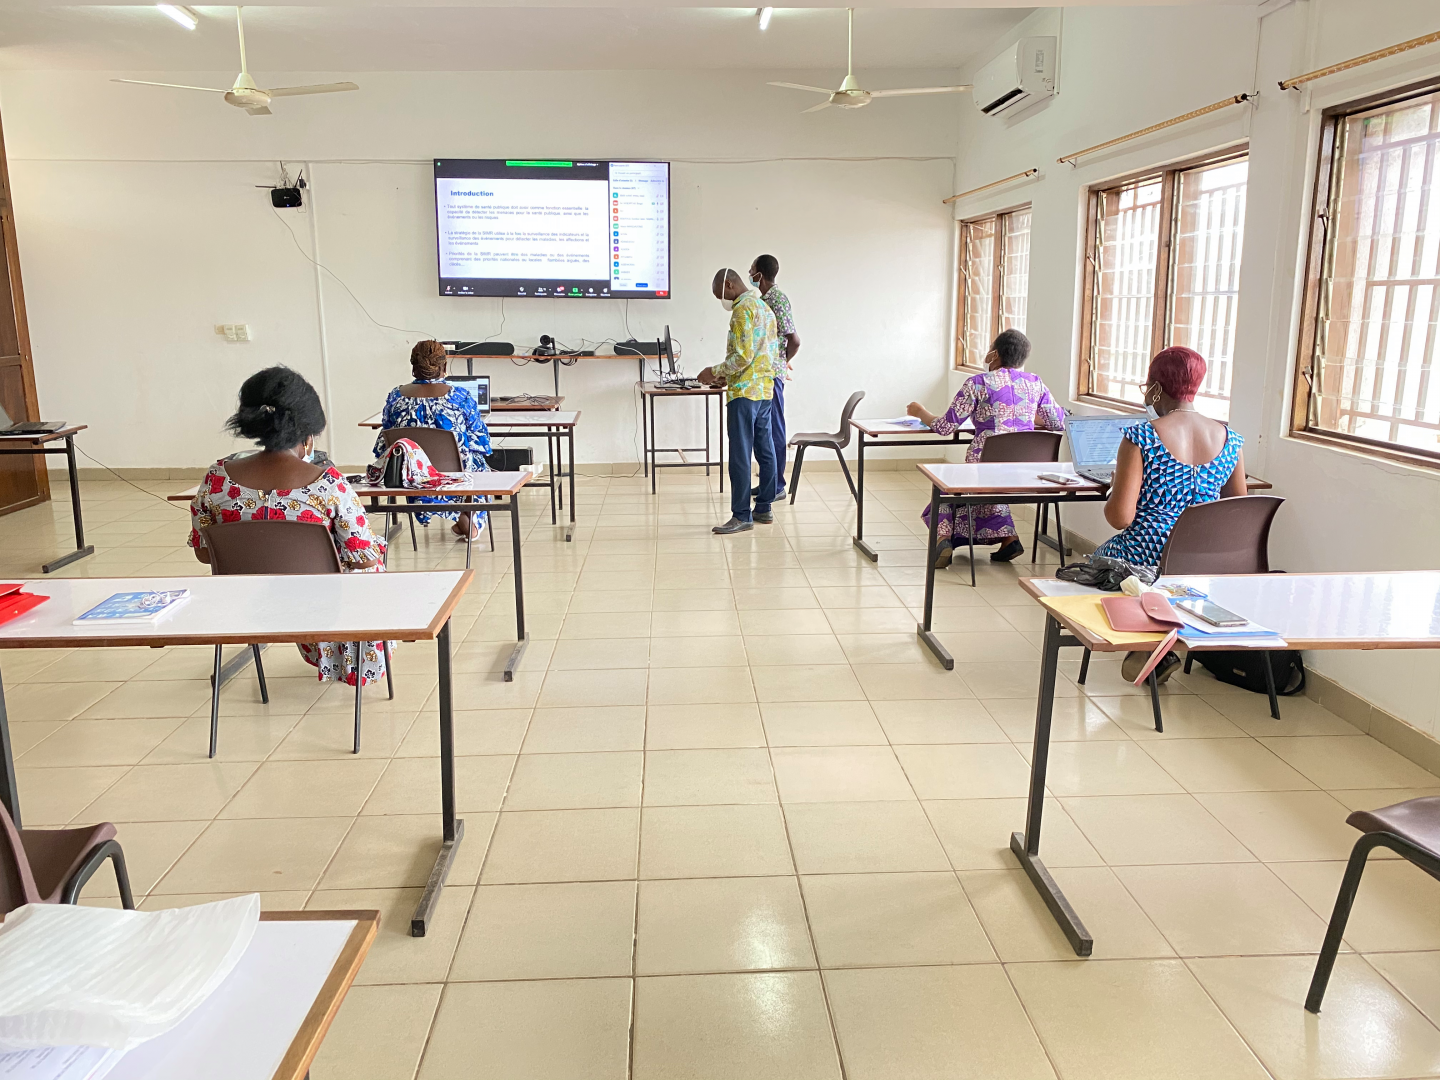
x=763, y=272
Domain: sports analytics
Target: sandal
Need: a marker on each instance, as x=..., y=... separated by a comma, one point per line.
x=1009, y=553
x=943, y=556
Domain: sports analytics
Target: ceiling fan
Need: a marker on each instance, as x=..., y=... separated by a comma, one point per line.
x=245, y=94
x=850, y=95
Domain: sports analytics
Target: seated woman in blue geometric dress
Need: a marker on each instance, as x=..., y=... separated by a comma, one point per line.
x=430, y=401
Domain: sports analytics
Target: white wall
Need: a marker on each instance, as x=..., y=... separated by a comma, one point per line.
x=1124, y=69
x=140, y=228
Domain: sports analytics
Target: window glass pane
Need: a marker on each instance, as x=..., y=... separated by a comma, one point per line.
x=1205, y=286
x=1124, y=303
x=978, y=263
x=1015, y=270
x=1376, y=349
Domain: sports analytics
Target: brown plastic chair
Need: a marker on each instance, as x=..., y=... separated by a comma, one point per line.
x=443, y=449
x=51, y=866
x=1411, y=829
x=1037, y=446
x=275, y=547
x=1227, y=536
x=826, y=440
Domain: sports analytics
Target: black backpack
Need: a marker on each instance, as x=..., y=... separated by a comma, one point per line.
x=1244, y=668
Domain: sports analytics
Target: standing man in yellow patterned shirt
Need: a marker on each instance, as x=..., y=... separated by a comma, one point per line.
x=752, y=349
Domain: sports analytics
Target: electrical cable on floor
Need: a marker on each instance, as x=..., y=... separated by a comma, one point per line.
x=182, y=507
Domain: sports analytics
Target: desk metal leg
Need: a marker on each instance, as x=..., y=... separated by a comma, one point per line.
x=859, y=538
x=9, y=792
x=931, y=641
x=650, y=420
x=521, y=638
x=81, y=548
x=705, y=405
x=554, y=481
x=644, y=429
x=570, y=440
x=453, y=829
x=724, y=461
x=1026, y=845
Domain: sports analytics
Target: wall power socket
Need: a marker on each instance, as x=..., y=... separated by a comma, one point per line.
x=234, y=331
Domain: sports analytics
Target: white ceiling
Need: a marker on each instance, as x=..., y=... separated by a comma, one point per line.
x=473, y=38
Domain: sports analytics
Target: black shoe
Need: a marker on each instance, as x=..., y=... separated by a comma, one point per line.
x=765, y=518
x=734, y=525
x=779, y=495
x=942, y=557
x=1009, y=553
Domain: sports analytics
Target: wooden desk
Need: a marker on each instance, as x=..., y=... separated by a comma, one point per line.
x=558, y=430
x=264, y=608
x=267, y=1019
x=649, y=392
x=529, y=403
x=886, y=433
x=41, y=445
x=1398, y=610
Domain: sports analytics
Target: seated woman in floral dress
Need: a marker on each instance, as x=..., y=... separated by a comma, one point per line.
x=1006, y=398
x=430, y=401
x=281, y=412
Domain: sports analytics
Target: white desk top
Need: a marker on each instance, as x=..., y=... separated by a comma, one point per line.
x=249, y=1027
x=474, y=483
x=246, y=609
x=536, y=418
x=1001, y=477
x=1399, y=610
x=888, y=428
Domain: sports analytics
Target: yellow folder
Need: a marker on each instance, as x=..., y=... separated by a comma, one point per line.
x=1086, y=611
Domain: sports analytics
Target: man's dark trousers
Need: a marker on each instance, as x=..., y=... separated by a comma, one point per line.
x=748, y=425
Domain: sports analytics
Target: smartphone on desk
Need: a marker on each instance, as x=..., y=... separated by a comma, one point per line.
x=1211, y=613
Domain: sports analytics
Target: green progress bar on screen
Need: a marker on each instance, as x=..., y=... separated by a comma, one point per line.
x=542, y=164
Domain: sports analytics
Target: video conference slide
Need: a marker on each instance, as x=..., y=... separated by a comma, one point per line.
x=583, y=229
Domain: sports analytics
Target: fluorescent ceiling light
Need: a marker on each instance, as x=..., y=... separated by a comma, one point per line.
x=765, y=13
x=182, y=15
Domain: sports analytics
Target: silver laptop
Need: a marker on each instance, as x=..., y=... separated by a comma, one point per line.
x=1095, y=444
x=477, y=386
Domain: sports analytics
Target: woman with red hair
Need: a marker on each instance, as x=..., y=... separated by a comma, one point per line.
x=1175, y=461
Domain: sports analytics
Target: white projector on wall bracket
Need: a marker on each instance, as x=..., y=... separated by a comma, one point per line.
x=1020, y=76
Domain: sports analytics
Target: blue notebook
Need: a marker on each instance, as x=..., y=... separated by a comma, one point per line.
x=135, y=607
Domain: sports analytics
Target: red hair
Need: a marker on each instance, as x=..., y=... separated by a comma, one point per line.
x=1178, y=371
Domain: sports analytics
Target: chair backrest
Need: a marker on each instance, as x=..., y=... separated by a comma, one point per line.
x=271, y=547
x=842, y=437
x=440, y=446
x=17, y=882
x=1228, y=536
x=1022, y=446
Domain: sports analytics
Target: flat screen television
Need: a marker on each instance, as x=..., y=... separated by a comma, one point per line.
x=581, y=229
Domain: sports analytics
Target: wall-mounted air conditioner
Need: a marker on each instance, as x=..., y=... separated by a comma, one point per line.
x=1020, y=76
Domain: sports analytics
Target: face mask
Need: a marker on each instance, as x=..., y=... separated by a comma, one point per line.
x=728, y=305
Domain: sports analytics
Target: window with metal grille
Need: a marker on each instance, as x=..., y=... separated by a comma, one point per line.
x=1366, y=374
x=994, y=282
x=1163, y=268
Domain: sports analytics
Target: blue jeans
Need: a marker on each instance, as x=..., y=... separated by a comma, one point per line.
x=777, y=432
x=748, y=425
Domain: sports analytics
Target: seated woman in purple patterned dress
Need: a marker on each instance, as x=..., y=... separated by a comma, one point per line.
x=1006, y=398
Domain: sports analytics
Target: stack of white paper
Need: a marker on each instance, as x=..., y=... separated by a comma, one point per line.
x=1249, y=635
x=97, y=977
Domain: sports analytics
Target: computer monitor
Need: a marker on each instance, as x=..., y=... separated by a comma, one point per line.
x=668, y=351
x=477, y=386
x=1095, y=440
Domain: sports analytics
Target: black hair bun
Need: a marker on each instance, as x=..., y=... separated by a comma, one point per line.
x=278, y=409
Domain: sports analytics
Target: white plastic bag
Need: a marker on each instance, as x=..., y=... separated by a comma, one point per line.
x=82, y=976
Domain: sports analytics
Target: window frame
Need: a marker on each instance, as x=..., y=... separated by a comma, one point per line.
x=1001, y=219
x=1162, y=309
x=1319, y=265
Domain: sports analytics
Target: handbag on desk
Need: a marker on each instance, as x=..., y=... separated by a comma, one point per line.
x=1148, y=613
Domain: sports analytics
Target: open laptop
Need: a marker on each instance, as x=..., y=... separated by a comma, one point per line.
x=1095, y=444
x=477, y=386
x=27, y=427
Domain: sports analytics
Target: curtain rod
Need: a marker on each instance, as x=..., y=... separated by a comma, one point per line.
x=987, y=187
x=1378, y=54
x=1225, y=104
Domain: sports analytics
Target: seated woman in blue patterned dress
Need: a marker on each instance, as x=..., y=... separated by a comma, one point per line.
x=1175, y=461
x=430, y=401
x=1006, y=398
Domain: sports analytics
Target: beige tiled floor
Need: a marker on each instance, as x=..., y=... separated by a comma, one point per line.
x=731, y=822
